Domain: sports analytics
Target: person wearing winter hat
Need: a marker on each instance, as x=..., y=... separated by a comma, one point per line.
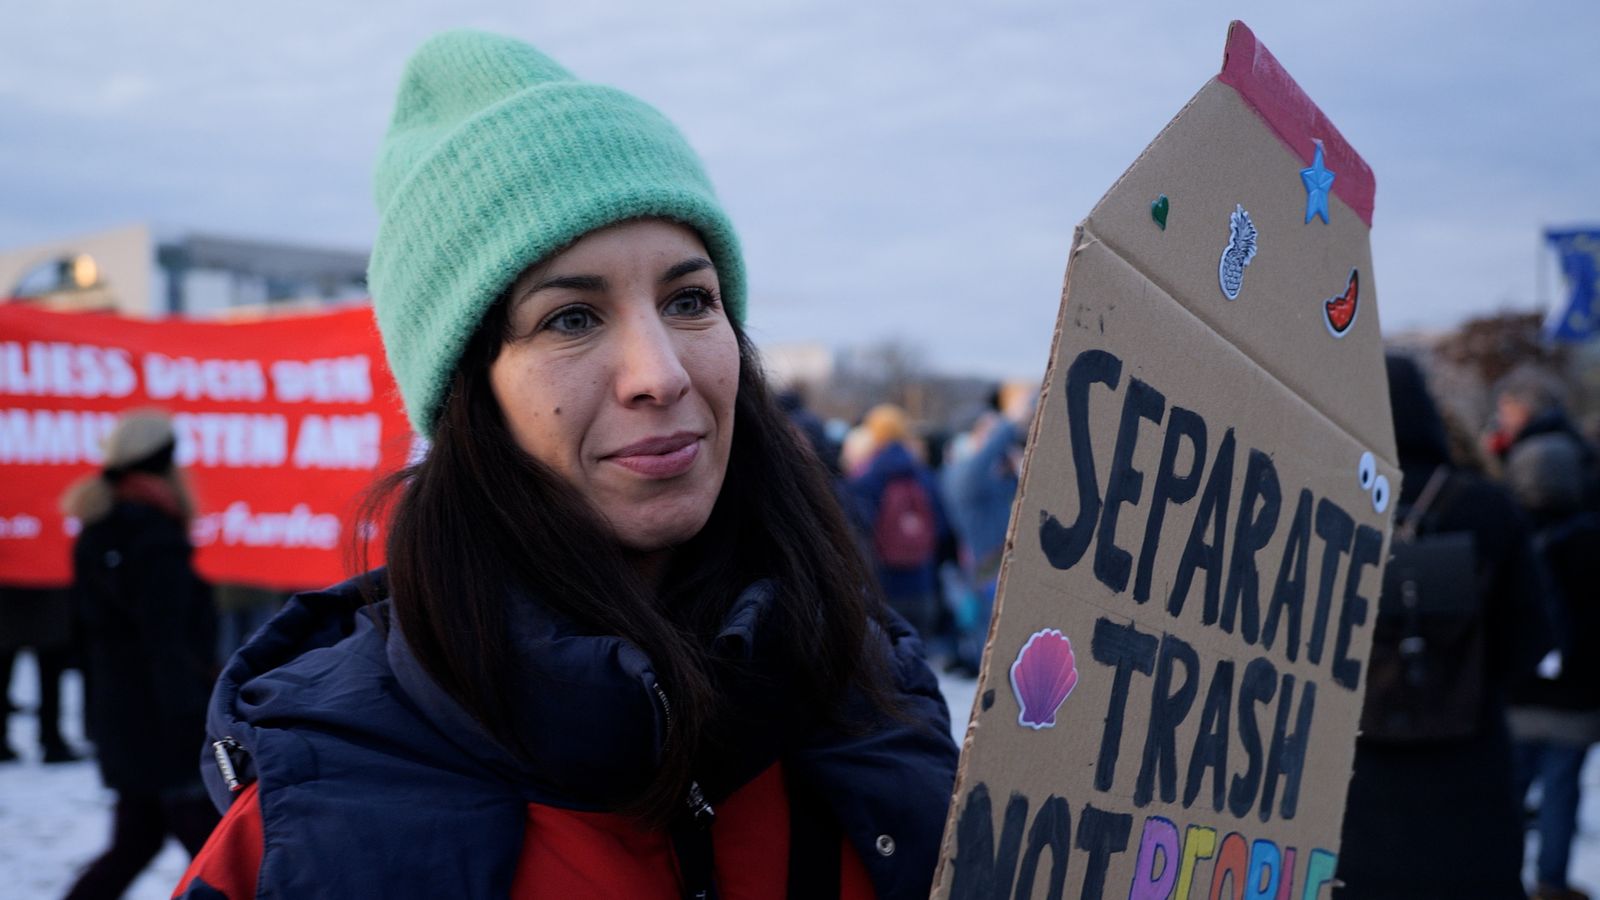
x=624, y=644
x=148, y=633
x=898, y=501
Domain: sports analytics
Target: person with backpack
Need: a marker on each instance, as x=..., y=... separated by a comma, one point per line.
x=624, y=644
x=1431, y=809
x=898, y=498
x=1555, y=711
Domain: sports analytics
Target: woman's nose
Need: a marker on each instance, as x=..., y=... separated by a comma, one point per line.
x=650, y=370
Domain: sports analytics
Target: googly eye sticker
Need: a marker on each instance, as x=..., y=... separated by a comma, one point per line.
x=1380, y=494
x=1373, y=483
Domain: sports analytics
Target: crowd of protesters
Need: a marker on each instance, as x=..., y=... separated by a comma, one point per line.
x=1484, y=696
x=1480, y=712
x=931, y=510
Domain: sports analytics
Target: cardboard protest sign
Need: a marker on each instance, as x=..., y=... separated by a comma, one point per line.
x=1170, y=695
x=282, y=424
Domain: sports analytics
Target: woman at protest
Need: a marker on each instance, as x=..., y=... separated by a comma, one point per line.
x=1431, y=811
x=149, y=638
x=624, y=645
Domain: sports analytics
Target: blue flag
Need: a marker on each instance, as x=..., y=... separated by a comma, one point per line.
x=1579, y=318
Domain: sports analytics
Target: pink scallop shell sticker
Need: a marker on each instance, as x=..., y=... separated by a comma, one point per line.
x=1043, y=675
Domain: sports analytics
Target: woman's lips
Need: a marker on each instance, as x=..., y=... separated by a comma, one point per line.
x=666, y=457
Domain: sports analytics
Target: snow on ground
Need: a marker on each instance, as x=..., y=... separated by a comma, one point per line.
x=54, y=819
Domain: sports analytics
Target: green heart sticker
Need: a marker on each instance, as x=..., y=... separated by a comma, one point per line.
x=1158, y=211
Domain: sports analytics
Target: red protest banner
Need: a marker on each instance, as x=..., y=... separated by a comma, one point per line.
x=282, y=425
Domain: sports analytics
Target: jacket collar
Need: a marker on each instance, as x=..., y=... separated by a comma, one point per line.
x=586, y=708
x=591, y=717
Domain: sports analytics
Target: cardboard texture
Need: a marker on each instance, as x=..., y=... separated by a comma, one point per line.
x=1170, y=695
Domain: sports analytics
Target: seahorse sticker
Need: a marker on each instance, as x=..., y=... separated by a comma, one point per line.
x=1240, y=250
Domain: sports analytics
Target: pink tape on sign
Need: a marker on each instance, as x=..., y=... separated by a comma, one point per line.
x=1250, y=68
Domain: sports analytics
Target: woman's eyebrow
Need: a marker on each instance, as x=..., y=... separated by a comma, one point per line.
x=597, y=283
x=568, y=282
x=692, y=264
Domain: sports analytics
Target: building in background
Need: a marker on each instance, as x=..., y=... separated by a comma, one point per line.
x=135, y=271
x=806, y=366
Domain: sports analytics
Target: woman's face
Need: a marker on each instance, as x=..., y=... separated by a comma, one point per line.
x=621, y=374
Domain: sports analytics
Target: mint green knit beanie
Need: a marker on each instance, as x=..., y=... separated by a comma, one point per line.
x=496, y=158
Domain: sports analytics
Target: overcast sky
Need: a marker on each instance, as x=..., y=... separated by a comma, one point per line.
x=908, y=170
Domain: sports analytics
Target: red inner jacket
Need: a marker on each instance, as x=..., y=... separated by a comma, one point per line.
x=567, y=853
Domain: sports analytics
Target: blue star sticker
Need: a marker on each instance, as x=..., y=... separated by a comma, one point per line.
x=1318, y=181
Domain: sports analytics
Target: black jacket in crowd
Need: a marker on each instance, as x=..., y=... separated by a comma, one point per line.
x=149, y=641
x=1438, y=818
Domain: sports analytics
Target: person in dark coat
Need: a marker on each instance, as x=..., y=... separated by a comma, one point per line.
x=40, y=620
x=149, y=635
x=623, y=644
x=327, y=712
x=1555, y=712
x=1439, y=818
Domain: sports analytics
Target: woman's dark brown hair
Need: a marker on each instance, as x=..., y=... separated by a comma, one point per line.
x=478, y=514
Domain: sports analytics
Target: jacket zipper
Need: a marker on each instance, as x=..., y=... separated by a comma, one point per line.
x=691, y=840
x=700, y=811
x=666, y=709
x=222, y=751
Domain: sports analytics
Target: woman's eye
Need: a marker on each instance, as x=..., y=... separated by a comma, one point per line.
x=571, y=320
x=691, y=303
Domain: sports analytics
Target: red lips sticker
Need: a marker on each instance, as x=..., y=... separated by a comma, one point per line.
x=1340, y=311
